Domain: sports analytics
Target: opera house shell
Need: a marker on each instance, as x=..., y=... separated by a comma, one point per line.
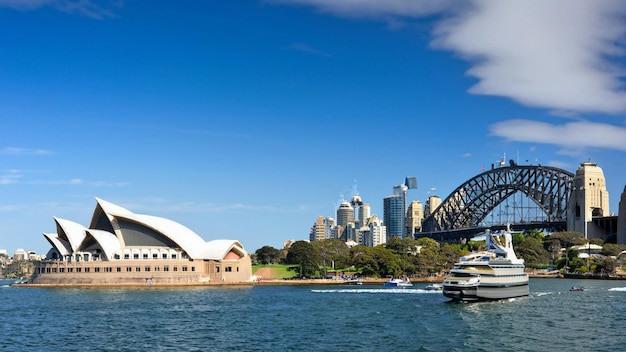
x=123, y=248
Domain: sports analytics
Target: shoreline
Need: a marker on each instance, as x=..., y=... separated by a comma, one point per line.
x=294, y=282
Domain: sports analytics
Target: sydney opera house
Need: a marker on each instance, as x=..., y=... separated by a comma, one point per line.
x=123, y=248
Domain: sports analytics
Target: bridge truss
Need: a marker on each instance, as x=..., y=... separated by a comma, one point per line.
x=548, y=187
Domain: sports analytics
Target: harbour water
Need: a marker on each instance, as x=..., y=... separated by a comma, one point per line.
x=312, y=318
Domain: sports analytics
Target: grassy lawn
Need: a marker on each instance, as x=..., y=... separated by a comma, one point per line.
x=275, y=271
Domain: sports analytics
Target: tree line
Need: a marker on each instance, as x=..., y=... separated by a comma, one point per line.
x=425, y=256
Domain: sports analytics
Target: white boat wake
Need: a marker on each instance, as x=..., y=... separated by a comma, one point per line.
x=378, y=290
x=621, y=289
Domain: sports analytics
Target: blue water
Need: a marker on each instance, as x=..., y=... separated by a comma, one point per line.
x=312, y=318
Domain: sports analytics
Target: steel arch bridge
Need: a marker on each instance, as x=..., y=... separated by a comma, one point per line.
x=471, y=202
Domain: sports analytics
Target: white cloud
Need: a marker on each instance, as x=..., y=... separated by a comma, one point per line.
x=551, y=54
x=574, y=135
x=84, y=7
x=374, y=8
x=24, y=151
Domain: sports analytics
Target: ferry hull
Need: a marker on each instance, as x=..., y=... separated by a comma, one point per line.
x=485, y=293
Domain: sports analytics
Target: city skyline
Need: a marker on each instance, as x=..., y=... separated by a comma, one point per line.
x=249, y=120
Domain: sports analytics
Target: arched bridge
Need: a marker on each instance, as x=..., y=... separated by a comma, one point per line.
x=471, y=202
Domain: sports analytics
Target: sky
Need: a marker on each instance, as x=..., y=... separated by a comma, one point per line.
x=249, y=119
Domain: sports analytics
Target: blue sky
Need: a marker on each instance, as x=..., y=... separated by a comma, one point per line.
x=248, y=119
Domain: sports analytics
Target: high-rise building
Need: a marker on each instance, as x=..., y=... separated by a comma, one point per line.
x=431, y=205
x=345, y=214
x=376, y=232
x=414, y=218
x=322, y=229
x=588, y=199
x=364, y=214
x=394, y=214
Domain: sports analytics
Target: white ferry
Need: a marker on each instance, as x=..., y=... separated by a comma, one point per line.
x=491, y=275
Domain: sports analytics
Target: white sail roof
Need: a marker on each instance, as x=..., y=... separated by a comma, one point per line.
x=61, y=245
x=75, y=235
x=74, y=231
x=109, y=243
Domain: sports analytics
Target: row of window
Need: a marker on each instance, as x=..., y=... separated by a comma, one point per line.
x=118, y=269
x=147, y=256
x=96, y=257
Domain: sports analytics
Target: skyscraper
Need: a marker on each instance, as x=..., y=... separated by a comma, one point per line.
x=394, y=215
x=345, y=214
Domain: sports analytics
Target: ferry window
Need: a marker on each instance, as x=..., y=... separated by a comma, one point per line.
x=119, y=269
x=136, y=256
x=184, y=268
x=128, y=269
x=147, y=268
x=228, y=269
x=166, y=268
x=126, y=256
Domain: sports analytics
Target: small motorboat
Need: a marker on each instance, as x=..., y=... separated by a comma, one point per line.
x=398, y=283
x=574, y=288
x=434, y=287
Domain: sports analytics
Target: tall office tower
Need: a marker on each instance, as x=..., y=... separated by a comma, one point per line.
x=364, y=214
x=322, y=229
x=414, y=218
x=350, y=233
x=589, y=198
x=431, y=204
x=345, y=213
x=621, y=219
x=393, y=209
x=356, y=203
x=376, y=232
x=317, y=231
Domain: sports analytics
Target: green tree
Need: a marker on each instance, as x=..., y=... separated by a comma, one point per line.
x=267, y=255
x=604, y=265
x=305, y=255
x=531, y=249
x=363, y=259
x=568, y=238
x=333, y=251
x=612, y=249
x=388, y=262
x=449, y=255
